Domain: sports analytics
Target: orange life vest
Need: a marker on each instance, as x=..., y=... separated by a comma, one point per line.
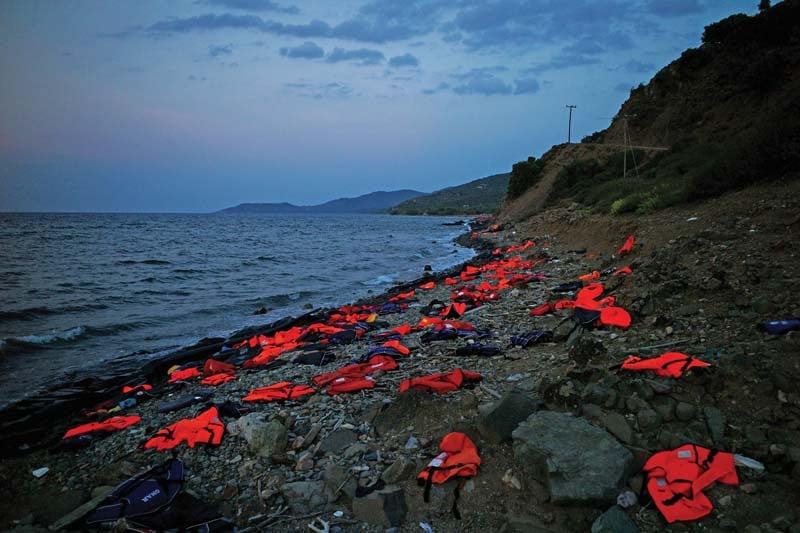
x=349, y=384
x=442, y=382
x=625, y=248
x=206, y=428
x=112, y=424
x=676, y=479
x=428, y=286
x=458, y=457
x=213, y=366
x=378, y=362
x=136, y=388
x=278, y=392
x=668, y=365
x=183, y=375
x=218, y=379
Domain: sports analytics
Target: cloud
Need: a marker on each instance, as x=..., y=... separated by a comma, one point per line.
x=380, y=21
x=307, y=50
x=674, y=8
x=405, y=60
x=482, y=81
x=227, y=21
x=637, y=67
x=192, y=77
x=439, y=88
x=561, y=61
x=254, y=5
x=526, y=86
x=220, y=50
x=319, y=91
x=362, y=56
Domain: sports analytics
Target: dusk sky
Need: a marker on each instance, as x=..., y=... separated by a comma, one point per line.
x=197, y=105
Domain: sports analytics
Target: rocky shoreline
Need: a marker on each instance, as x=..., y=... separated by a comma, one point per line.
x=696, y=287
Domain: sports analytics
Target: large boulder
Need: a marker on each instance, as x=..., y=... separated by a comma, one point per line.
x=306, y=497
x=614, y=521
x=577, y=462
x=385, y=507
x=502, y=419
x=266, y=439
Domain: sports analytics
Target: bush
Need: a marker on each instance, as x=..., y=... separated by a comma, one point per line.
x=524, y=175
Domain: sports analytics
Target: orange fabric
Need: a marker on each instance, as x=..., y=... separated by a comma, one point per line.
x=427, y=286
x=397, y=346
x=205, y=428
x=676, y=479
x=144, y=386
x=625, y=248
x=213, y=366
x=623, y=270
x=183, y=375
x=442, y=382
x=378, y=362
x=450, y=281
x=458, y=457
x=543, y=309
x=112, y=424
x=615, y=316
x=668, y=365
x=589, y=277
x=278, y=392
x=402, y=296
x=457, y=308
x=429, y=321
x=349, y=384
x=218, y=379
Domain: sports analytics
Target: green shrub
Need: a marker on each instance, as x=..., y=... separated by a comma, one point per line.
x=524, y=175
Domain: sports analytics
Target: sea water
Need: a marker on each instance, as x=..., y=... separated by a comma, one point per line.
x=79, y=292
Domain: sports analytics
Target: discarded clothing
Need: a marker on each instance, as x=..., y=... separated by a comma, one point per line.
x=428, y=286
x=627, y=247
x=184, y=374
x=349, y=384
x=534, y=337
x=543, y=309
x=278, y=392
x=206, y=428
x=316, y=358
x=676, y=479
x=140, y=495
x=487, y=350
x=106, y=426
x=441, y=383
x=458, y=458
x=668, y=365
x=214, y=366
x=199, y=395
x=776, y=327
x=217, y=379
x=568, y=287
x=454, y=310
x=378, y=362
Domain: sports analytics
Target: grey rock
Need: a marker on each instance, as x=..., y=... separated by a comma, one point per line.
x=337, y=440
x=515, y=406
x=306, y=496
x=336, y=479
x=400, y=470
x=715, y=421
x=266, y=439
x=577, y=462
x=615, y=520
x=618, y=426
x=591, y=411
x=728, y=524
x=356, y=450
x=648, y=419
x=684, y=411
x=386, y=507
x=666, y=408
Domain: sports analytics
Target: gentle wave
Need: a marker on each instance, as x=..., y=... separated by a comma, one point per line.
x=60, y=338
x=144, y=262
x=380, y=280
x=33, y=313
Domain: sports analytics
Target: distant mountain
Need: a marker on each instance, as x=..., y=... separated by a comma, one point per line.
x=483, y=195
x=374, y=202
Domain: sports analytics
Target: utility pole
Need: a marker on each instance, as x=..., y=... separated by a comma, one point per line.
x=569, y=127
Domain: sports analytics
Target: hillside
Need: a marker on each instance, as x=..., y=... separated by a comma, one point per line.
x=718, y=118
x=483, y=195
x=374, y=202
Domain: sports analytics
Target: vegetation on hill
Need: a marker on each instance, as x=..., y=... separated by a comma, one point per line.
x=727, y=112
x=524, y=175
x=374, y=202
x=483, y=195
